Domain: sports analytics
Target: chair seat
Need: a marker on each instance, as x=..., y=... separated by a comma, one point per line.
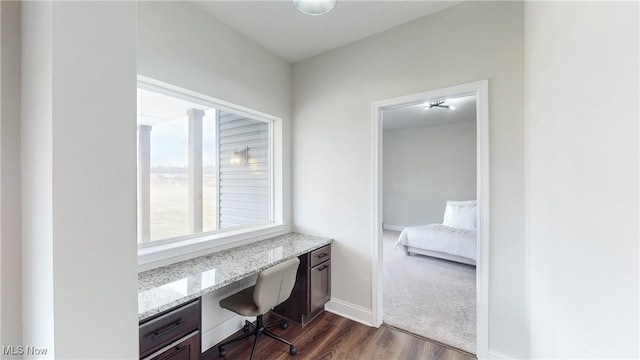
x=241, y=303
x=273, y=287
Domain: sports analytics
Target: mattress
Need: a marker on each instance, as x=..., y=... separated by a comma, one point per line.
x=440, y=238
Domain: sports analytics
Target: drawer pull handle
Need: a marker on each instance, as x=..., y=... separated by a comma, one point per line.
x=323, y=267
x=158, y=333
x=322, y=255
x=178, y=351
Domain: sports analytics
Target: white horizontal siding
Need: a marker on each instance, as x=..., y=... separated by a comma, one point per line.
x=236, y=204
x=256, y=198
x=244, y=190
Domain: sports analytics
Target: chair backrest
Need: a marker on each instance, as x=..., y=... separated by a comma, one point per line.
x=274, y=285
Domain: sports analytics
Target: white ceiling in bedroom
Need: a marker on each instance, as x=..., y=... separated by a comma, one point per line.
x=416, y=116
x=294, y=36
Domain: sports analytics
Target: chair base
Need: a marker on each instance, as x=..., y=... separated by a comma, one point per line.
x=258, y=329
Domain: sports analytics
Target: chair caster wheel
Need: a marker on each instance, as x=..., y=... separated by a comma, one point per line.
x=284, y=326
x=222, y=352
x=293, y=350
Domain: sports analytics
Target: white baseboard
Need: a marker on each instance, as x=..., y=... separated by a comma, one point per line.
x=497, y=356
x=393, y=227
x=222, y=331
x=350, y=311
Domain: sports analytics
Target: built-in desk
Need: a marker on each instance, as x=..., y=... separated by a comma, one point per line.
x=169, y=287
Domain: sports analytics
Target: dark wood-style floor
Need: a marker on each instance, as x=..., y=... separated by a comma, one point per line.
x=333, y=337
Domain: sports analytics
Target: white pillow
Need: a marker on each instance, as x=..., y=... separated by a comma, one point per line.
x=461, y=214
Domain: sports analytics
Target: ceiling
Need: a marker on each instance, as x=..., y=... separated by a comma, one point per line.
x=416, y=116
x=294, y=36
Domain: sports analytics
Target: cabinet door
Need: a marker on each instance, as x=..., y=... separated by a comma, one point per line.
x=320, y=285
x=188, y=349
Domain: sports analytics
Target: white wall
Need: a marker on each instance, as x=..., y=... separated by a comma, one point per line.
x=423, y=168
x=332, y=96
x=10, y=245
x=582, y=111
x=180, y=44
x=79, y=186
x=37, y=187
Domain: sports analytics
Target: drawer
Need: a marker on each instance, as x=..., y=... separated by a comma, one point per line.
x=157, y=333
x=187, y=348
x=320, y=255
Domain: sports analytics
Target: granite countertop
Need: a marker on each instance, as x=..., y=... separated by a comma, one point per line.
x=168, y=286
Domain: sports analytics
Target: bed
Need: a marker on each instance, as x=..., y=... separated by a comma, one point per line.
x=454, y=239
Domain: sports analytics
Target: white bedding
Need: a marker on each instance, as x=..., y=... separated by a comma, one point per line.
x=440, y=238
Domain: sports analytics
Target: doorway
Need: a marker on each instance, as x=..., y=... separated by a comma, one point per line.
x=480, y=91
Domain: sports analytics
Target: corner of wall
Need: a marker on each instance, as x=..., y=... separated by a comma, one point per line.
x=350, y=311
x=10, y=188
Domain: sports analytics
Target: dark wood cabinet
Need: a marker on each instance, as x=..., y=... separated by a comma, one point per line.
x=312, y=289
x=173, y=334
x=319, y=285
x=187, y=349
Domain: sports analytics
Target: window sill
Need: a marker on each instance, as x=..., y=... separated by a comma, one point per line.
x=165, y=254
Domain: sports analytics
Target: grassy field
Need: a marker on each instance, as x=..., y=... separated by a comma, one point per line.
x=169, y=205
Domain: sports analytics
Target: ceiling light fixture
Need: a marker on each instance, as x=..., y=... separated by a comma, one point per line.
x=314, y=7
x=439, y=104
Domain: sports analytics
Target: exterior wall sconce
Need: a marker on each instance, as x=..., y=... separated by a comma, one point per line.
x=314, y=7
x=240, y=156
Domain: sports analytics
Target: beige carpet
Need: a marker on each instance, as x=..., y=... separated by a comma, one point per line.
x=429, y=297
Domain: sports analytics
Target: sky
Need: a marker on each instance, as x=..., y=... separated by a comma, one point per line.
x=169, y=142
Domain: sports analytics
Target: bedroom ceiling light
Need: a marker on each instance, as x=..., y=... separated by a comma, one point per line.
x=314, y=7
x=440, y=104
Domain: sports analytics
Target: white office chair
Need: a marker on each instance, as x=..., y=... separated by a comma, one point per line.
x=273, y=287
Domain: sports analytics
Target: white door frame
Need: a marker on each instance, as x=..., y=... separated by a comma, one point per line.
x=481, y=90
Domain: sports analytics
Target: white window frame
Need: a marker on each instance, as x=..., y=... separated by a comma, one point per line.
x=163, y=252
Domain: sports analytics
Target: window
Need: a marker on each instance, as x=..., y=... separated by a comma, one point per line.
x=204, y=167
